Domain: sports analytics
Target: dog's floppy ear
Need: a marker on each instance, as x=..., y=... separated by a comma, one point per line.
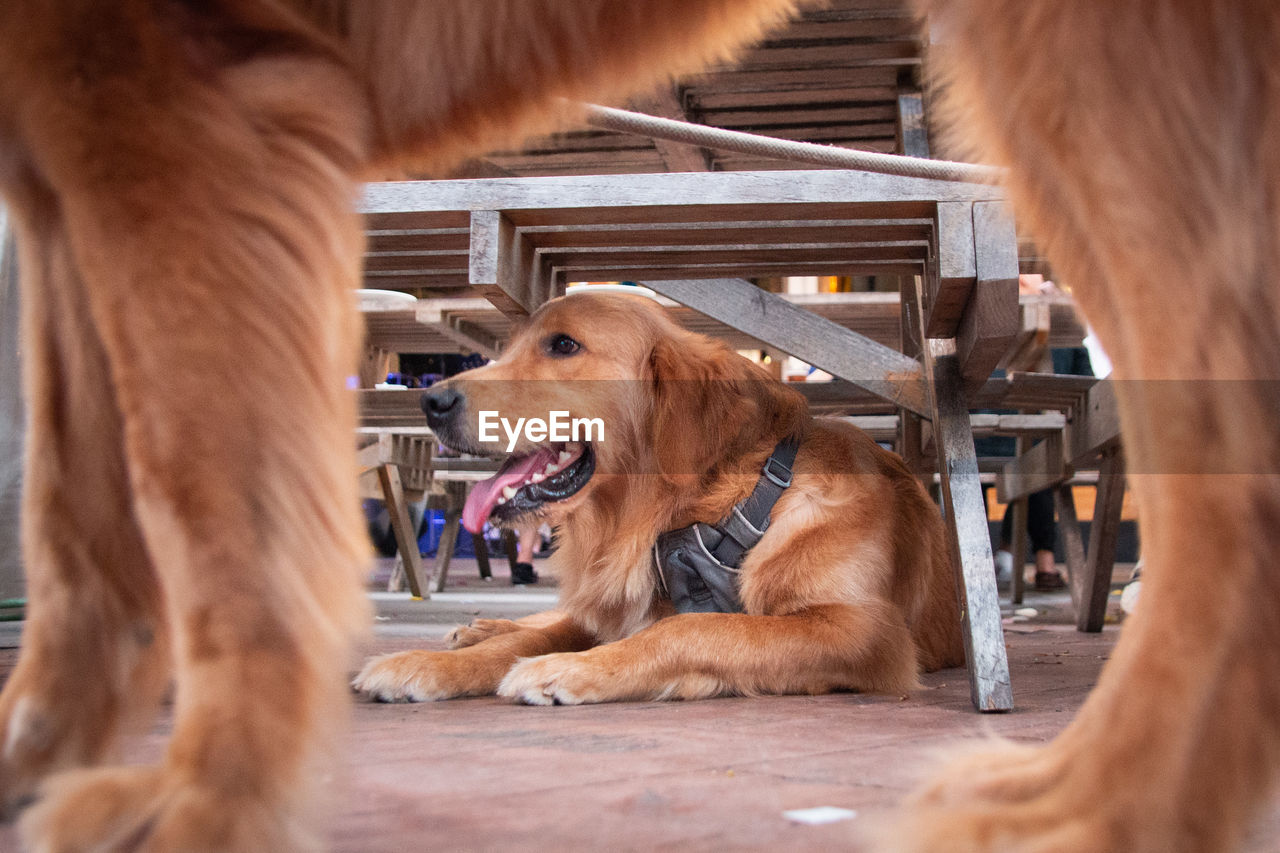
x=711, y=404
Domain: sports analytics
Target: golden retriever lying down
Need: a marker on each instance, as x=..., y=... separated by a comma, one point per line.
x=850, y=587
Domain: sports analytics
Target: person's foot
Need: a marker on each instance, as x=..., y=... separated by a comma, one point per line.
x=523, y=573
x=1048, y=578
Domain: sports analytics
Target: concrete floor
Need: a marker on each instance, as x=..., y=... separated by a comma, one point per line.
x=482, y=774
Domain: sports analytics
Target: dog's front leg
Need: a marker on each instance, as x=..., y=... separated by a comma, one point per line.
x=212, y=257
x=862, y=646
x=95, y=650
x=473, y=670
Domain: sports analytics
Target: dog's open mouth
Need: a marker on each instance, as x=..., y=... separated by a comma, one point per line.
x=526, y=482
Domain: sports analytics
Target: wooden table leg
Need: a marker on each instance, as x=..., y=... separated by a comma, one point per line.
x=11, y=419
x=1072, y=542
x=968, y=533
x=448, y=541
x=1095, y=586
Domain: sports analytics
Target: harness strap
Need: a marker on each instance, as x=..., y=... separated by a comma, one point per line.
x=747, y=521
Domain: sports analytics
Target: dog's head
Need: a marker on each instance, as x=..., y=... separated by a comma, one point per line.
x=599, y=386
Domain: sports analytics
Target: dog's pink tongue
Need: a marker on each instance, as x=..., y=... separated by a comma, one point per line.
x=484, y=495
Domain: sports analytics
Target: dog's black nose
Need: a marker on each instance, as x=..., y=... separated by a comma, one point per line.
x=441, y=405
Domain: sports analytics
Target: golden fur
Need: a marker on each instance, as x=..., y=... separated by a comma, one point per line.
x=182, y=178
x=1141, y=142
x=850, y=588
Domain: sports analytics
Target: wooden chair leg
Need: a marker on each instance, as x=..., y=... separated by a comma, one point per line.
x=1096, y=583
x=404, y=530
x=1072, y=541
x=481, y=548
x=448, y=541
x=511, y=544
x=967, y=529
x=398, y=580
x=1018, y=547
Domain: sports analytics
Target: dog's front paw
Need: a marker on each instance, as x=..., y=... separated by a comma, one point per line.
x=569, y=678
x=154, y=808
x=478, y=631
x=1002, y=796
x=417, y=676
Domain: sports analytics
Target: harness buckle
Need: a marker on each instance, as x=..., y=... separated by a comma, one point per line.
x=781, y=480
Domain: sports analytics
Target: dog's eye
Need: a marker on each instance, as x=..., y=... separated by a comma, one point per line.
x=562, y=345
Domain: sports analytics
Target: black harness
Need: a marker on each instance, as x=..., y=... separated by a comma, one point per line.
x=698, y=565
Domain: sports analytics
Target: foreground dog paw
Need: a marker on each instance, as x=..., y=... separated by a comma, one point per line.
x=478, y=631
x=148, y=809
x=1005, y=797
x=417, y=676
x=568, y=678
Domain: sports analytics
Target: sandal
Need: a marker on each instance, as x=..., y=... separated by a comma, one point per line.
x=523, y=573
x=1049, y=582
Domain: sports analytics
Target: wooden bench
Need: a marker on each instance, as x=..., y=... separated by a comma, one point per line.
x=412, y=479
x=1090, y=440
x=401, y=462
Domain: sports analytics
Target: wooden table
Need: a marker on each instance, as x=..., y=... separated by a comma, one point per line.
x=695, y=238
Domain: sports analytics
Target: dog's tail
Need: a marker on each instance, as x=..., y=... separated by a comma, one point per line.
x=450, y=79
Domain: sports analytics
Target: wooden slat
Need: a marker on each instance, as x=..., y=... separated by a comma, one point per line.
x=834, y=115
x=948, y=292
x=1041, y=467
x=639, y=154
x=1097, y=424
x=387, y=204
x=991, y=318
x=806, y=336
x=800, y=79
x=399, y=239
x=668, y=102
x=466, y=334
x=911, y=430
x=790, y=232
x=603, y=142
x=424, y=261
x=908, y=252
x=454, y=279
x=1031, y=342
x=885, y=26
x=903, y=52
x=636, y=272
x=913, y=132
x=500, y=263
